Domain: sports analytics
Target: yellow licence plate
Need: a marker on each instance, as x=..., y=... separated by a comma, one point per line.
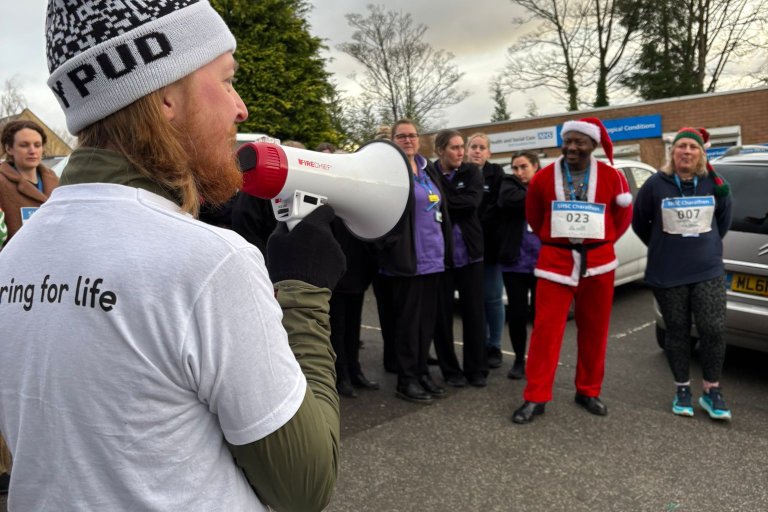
x=750, y=284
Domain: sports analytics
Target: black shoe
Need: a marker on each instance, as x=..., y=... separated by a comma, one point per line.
x=456, y=381
x=517, y=371
x=5, y=482
x=495, y=357
x=413, y=392
x=344, y=387
x=430, y=387
x=592, y=403
x=361, y=381
x=526, y=412
x=478, y=381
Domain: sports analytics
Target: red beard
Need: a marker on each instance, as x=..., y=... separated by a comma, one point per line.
x=212, y=160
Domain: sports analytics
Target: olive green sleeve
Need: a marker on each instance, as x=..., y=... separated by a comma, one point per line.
x=295, y=467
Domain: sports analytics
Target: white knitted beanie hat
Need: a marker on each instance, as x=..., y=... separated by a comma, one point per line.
x=105, y=54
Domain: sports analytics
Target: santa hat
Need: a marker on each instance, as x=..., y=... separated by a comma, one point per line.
x=701, y=136
x=593, y=128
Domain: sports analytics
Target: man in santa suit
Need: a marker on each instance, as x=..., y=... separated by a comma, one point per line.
x=578, y=207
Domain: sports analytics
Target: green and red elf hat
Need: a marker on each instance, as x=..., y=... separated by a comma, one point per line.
x=701, y=136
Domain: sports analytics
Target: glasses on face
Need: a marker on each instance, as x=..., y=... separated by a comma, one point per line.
x=403, y=136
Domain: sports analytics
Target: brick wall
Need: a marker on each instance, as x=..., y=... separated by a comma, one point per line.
x=746, y=108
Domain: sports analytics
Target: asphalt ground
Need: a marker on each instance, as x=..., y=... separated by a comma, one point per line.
x=464, y=454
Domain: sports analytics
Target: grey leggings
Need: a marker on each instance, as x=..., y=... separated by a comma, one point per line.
x=706, y=301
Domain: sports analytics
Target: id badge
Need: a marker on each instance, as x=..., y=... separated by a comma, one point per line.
x=438, y=216
x=577, y=219
x=687, y=216
x=26, y=213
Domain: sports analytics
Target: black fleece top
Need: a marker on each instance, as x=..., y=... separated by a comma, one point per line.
x=675, y=260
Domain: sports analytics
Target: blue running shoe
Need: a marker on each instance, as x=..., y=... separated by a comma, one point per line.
x=714, y=404
x=682, y=405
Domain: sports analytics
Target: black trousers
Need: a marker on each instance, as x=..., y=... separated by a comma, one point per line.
x=518, y=285
x=382, y=289
x=414, y=301
x=468, y=280
x=346, y=316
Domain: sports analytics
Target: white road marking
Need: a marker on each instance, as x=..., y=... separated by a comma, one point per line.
x=633, y=330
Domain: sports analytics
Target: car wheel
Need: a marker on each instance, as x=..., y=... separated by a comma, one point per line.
x=661, y=337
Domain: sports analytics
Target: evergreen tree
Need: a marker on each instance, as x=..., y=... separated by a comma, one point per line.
x=687, y=43
x=500, y=112
x=666, y=63
x=281, y=78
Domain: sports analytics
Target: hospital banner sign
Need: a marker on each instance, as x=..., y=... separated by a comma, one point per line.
x=628, y=128
x=534, y=138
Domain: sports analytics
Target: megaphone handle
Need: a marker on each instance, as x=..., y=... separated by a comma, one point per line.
x=292, y=223
x=293, y=210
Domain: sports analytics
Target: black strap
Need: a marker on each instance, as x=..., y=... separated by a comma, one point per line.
x=583, y=250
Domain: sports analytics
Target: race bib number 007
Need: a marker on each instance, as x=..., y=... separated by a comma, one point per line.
x=577, y=219
x=687, y=216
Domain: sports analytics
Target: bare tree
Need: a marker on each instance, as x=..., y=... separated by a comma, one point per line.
x=723, y=31
x=12, y=101
x=555, y=51
x=404, y=75
x=531, y=109
x=616, y=23
x=688, y=44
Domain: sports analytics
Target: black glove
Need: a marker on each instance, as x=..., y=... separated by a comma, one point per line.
x=308, y=253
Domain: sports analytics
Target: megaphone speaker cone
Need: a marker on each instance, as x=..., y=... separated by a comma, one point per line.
x=264, y=167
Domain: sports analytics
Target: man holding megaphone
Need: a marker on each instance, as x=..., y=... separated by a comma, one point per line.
x=159, y=367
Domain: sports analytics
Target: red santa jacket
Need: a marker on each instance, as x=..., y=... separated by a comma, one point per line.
x=560, y=259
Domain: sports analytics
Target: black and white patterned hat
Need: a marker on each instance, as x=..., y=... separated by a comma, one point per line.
x=105, y=54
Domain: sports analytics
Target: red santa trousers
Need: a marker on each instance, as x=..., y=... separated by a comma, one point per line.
x=594, y=300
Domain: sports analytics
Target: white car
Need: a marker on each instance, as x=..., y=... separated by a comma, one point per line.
x=59, y=165
x=630, y=251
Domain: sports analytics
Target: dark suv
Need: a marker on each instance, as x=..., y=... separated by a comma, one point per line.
x=745, y=252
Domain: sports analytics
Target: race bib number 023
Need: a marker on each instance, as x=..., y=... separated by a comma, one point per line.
x=577, y=219
x=687, y=216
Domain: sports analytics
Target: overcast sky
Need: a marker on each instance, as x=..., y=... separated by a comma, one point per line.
x=477, y=33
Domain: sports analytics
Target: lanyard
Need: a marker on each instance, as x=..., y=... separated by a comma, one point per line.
x=680, y=185
x=425, y=184
x=569, y=179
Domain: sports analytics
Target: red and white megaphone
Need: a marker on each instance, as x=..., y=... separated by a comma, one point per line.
x=368, y=189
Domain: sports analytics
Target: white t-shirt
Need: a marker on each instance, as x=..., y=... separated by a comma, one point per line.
x=134, y=339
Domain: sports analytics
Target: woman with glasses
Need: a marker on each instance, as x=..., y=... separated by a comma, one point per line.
x=412, y=259
x=462, y=184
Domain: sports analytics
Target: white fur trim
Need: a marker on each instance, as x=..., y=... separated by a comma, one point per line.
x=588, y=129
x=573, y=279
x=603, y=269
x=559, y=188
x=624, y=199
x=555, y=277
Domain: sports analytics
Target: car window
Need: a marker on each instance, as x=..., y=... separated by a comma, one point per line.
x=639, y=176
x=749, y=189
